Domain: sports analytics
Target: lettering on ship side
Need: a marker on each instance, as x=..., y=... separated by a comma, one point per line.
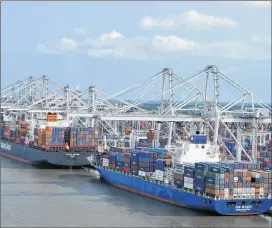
x=243, y=208
x=5, y=146
x=72, y=155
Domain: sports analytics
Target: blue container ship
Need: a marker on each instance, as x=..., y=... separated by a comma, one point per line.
x=226, y=188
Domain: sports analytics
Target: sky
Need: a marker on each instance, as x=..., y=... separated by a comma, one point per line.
x=114, y=45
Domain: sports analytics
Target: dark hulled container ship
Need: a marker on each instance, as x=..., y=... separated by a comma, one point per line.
x=49, y=145
x=56, y=156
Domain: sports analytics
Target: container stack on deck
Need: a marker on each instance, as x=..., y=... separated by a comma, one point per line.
x=127, y=164
x=51, y=137
x=2, y=130
x=77, y=137
x=147, y=161
x=264, y=153
x=15, y=132
x=178, y=175
x=134, y=163
x=159, y=169
x=221, y=180
x=139, y=161
x=189, y=175
x=151, y=136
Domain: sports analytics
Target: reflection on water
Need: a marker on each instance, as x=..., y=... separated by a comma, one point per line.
x=76, y=198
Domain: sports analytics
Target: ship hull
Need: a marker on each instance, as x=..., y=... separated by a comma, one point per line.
x=181, y=198
x=33, y=156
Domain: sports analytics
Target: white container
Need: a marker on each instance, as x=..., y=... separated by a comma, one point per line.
x=159, y=173
x=188, y=185
x=142, y=173
x=105, y=162
x=235, y=179
x=226, y=191
x=188, y=180
x=235, y=190
x=159, y=176
x=166, y=181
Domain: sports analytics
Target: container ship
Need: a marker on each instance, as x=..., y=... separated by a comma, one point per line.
x=50, y=144
x=196, y=179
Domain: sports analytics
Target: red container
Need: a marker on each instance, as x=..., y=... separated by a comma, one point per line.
x=127, y=155
x=178, y=176
x=127, y=160
x=134, y=167
x=144, y=164
x=126, y=169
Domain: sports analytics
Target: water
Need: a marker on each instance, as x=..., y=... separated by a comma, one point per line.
x=32, y=197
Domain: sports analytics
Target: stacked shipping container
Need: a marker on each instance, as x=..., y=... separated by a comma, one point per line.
x=51, y=137
x=151, y=136
x=81, y=137
x=139, y=161
x=221, y=180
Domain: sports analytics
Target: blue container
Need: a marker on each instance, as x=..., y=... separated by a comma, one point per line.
x=179, y=182
x=143, y=141
x=112, y=158
x=199, y=177
x=144, y=159
x=159, y=150
x=214, y=169
x=119, y=159
x=147, y=169
x=134, y=162
x=189, y=174
x=160, y=164
x=134, y=171
x=200, y=172
x=146, y=155
x=199, y=185
x=126, y=164
x=199, y=166
x=198, y=139
x=188, y=169
x=134, y=155
x=212, y=180
x=119, y=163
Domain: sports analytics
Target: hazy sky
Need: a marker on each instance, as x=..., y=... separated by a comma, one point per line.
x=116, y=44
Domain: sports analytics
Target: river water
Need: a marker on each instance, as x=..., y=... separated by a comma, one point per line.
x=32, y=197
